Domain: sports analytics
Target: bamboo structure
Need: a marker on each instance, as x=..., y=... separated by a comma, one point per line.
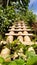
x=19, y=30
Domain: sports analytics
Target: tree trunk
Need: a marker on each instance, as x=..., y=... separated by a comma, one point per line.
x=4, y=3
x=7, y=2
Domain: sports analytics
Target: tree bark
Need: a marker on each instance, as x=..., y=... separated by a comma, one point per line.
x=4, y=3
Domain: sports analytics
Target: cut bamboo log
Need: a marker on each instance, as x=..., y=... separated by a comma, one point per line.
x=19, y=24
x=19, y=34
x=19, y=30
x=10, y=38
x=25, y=32
x=20, y=37
x=5, y=54
x=19, y=27
x=26, y=38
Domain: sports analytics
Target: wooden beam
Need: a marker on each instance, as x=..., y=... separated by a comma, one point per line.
x=18, y=27
x=18, y=30
x=18, y=34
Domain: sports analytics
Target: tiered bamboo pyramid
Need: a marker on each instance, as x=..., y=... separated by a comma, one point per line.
x=19, y=31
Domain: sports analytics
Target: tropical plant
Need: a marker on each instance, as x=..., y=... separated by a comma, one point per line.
x=32, y=59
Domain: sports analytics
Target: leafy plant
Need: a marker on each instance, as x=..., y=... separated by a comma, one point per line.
x=32, y=60
x=12, y=63
x=1, y=60
x=20, y=61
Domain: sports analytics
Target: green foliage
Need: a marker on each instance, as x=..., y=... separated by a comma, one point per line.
x=35, y=47
x=15, y=62
x=32, y=60
x=18, y=11
x=15, y=46
x=7, y=16
x=31, y=57
x=20, y=62
x=12, y=63
x=30, y=17
x=1, y=60
x=22, y=3
x=0, y=37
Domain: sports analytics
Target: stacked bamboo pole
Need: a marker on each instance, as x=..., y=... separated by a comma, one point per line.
x=20, y=30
